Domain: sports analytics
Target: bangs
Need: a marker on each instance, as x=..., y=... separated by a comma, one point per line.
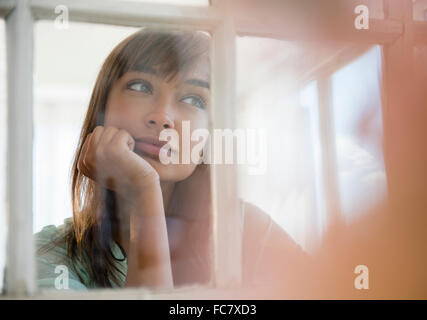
x=169, y=52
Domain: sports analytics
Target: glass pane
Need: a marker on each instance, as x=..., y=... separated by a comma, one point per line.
x=64, y=78
x=281, y=177
x=86, y=72
x=272, y=98
x=420, y=10
x=356, y=99
x=3, y=154
x=283, y=96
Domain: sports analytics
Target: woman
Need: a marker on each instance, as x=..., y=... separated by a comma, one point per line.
x=137, y=221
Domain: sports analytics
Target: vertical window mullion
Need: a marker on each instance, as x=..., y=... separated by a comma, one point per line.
x=227, y=217
x=397, y=57
x=20, y=266
x=329, y=155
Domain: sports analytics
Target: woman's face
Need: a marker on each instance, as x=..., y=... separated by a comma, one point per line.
x=144, y=103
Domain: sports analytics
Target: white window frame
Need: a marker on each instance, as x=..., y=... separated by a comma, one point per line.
x=225, y=21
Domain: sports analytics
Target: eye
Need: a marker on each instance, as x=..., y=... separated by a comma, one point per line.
x=140, y=85
x=195, y=100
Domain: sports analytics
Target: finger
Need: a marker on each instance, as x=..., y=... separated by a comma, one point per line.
x=108, y=135
x=96, y=136
x=81, y=166
x=122, y=137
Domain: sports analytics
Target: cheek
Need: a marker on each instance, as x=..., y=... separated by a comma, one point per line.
x=118, y=114
x=197, y=125
x=196, y=121
x=202, y=121
x=202, y=125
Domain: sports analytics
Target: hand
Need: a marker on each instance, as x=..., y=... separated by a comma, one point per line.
x=107, y=157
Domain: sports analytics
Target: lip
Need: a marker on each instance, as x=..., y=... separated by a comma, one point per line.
x=149, y=146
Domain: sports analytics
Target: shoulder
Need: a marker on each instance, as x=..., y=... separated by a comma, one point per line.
x=52, y=257
x=50, y=233
x=270, y=254
x=259, y=225
x=48, y=246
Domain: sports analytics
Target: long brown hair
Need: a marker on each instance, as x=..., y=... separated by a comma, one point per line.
x=94, y=207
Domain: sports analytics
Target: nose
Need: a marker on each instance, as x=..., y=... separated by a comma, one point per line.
x=159, y=120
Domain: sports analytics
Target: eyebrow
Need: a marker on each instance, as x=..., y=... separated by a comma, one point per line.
x=198, y=83
x=194, y=82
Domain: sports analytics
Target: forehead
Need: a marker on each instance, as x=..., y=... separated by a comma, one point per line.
x=180, y=67
x=200, y=70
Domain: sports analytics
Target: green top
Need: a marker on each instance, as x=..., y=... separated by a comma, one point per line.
x=48, y=261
